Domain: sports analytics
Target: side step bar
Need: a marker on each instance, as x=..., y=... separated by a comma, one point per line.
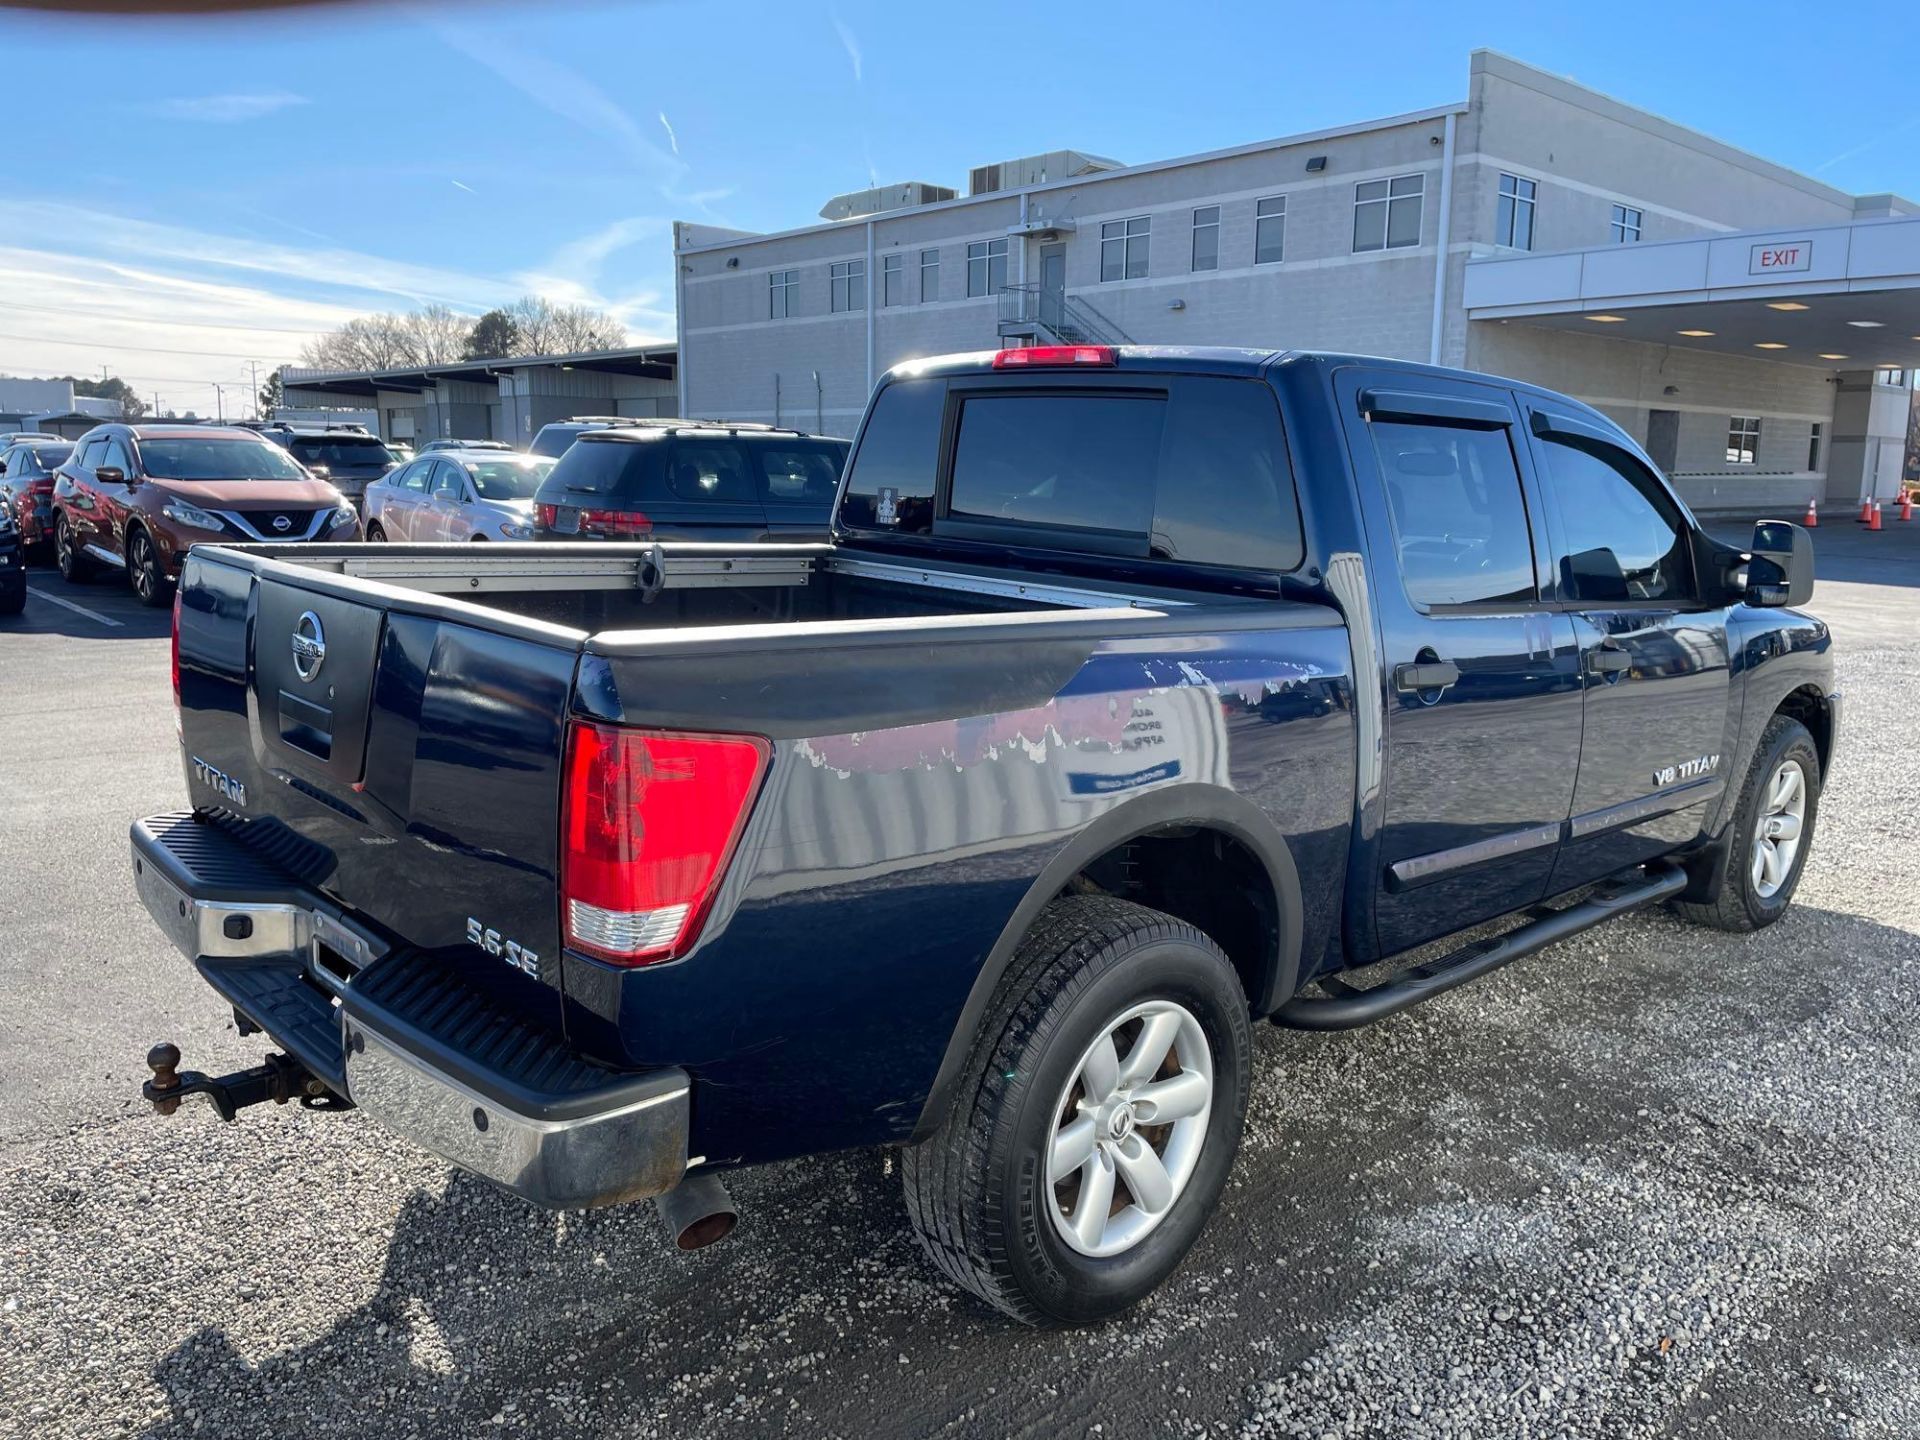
x=1345, y=1007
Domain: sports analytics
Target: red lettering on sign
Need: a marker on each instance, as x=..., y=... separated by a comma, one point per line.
x=1774, y=259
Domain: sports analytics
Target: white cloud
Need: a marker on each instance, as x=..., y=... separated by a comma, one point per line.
x=567, y=93
x=462, y=185
x=227, y=109
x=851, y=45
x=672, y=139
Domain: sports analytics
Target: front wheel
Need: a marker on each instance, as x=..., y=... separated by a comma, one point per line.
x=1100, y=1112
x=1771, y=835
x=375, y=532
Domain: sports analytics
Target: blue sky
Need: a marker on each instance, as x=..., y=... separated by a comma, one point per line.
x=185, y=196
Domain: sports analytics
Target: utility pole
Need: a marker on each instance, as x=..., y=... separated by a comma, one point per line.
x=219, y=401
x=253, y=368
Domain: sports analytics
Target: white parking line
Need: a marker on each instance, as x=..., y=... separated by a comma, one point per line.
x=77, y=609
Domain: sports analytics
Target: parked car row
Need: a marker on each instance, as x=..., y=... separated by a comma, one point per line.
x=134, y=498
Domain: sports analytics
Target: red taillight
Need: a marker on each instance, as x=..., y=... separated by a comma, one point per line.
x=544, y=514
x=648, y=822
x=1036, y=356
x=614, y=523
x=40, y=487
x=174, y=661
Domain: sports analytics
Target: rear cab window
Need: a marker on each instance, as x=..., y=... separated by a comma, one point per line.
x=339, y=450
x=1177, y=467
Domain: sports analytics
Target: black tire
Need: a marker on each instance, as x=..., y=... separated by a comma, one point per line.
x=13, y=598
x=75, y=567
x=375, y=532
x=145, y=573
x=976, y=1190
x=1737, y=904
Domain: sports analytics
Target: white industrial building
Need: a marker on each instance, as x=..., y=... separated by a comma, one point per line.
x=1752, y=326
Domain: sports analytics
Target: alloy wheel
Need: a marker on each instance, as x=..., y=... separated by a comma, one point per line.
x=1777, y=832
x=1129, y=1127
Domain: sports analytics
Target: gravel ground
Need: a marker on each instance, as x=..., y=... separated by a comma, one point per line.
x=1657, y=1181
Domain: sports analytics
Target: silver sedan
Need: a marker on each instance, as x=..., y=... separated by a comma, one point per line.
x=457, y=495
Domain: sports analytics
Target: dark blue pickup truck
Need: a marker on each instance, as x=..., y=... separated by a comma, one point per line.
x=1140, y=696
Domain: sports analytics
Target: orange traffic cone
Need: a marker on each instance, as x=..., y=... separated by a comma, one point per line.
x=1873, y=520
x=1906, y=505
x=1866, y=511
x=1812, y=522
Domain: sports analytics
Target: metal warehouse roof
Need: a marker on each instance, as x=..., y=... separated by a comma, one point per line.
x=652, y=361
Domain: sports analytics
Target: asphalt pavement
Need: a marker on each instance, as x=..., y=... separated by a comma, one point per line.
x=1655, y=1181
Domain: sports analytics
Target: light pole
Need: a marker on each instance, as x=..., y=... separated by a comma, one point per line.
x=219, y=401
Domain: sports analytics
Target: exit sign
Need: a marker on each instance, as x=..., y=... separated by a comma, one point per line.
x=1780, y=256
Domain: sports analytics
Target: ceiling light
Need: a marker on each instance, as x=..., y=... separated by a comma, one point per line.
x=1697, y=333
x=1866, y=324
x=1769, y=345
x=1608, y=319
x=1785, y=305
x=1824, y=355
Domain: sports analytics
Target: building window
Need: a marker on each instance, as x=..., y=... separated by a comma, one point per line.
x=1206, y=238
x=893, y=280
x=1270, y=230
x=1813, y=446
x=1626, y=225
x=1890, y=377
x=780, y=287
x=1743, y=439
x=986, y=267
x=1513, y=221
x=1386, y=213
x=929, y=275
x=1123, y=249
x=848, y=281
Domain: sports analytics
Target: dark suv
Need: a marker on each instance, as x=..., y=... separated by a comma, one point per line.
x=137, y=497
x=350, y=459
x=692, y=482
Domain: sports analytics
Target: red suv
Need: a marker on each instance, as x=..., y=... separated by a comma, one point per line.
x=134, y=497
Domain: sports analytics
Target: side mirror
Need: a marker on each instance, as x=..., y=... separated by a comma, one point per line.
x=1781, y=570
x=110, y=475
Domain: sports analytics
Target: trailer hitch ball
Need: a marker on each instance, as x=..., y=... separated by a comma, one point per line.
x=164, y=1060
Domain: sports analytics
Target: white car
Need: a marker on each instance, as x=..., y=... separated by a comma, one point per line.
x=457, y=495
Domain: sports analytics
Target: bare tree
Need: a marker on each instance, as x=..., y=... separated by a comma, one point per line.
x=438, y=335
x=549, y=329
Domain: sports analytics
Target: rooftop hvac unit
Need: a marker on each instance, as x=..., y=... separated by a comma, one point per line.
x=904, y=196
x=1035, y=170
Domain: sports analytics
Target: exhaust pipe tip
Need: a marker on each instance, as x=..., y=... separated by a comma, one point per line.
x=697, y=1212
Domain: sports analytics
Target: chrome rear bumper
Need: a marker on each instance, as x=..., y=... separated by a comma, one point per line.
x=384, y=1025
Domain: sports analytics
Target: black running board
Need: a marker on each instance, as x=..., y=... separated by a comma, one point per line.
x=1345, y=1007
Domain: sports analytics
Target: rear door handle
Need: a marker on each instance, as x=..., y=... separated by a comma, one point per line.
x=1427, y=675
x=1609, y=660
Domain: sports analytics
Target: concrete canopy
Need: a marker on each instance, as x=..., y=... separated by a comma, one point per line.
x=1844, y=297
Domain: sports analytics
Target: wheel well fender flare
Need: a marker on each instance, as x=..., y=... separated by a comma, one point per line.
x=1202, y=806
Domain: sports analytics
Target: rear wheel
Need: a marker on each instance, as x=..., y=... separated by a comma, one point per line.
x=1097, y=1120
x=145, y=572
x=1771, y=836
x=75, y=568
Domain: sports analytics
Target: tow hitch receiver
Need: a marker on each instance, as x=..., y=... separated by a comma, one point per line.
x=280, y=1079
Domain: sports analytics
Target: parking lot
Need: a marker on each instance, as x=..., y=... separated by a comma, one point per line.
x=1656, y=1181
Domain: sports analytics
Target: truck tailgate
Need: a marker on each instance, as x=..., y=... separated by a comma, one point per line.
x=417, y=756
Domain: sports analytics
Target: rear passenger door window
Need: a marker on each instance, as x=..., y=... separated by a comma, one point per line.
x=1459, y=519
x=799, y=480
x=707, y=472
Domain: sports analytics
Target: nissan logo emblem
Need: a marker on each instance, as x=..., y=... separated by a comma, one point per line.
x=309, y=646
x=281, y=522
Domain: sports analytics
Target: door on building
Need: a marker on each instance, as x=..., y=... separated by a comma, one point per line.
x=1663, y=439
x=1482, y=680
x=1053, y=285
x=1653, y=651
